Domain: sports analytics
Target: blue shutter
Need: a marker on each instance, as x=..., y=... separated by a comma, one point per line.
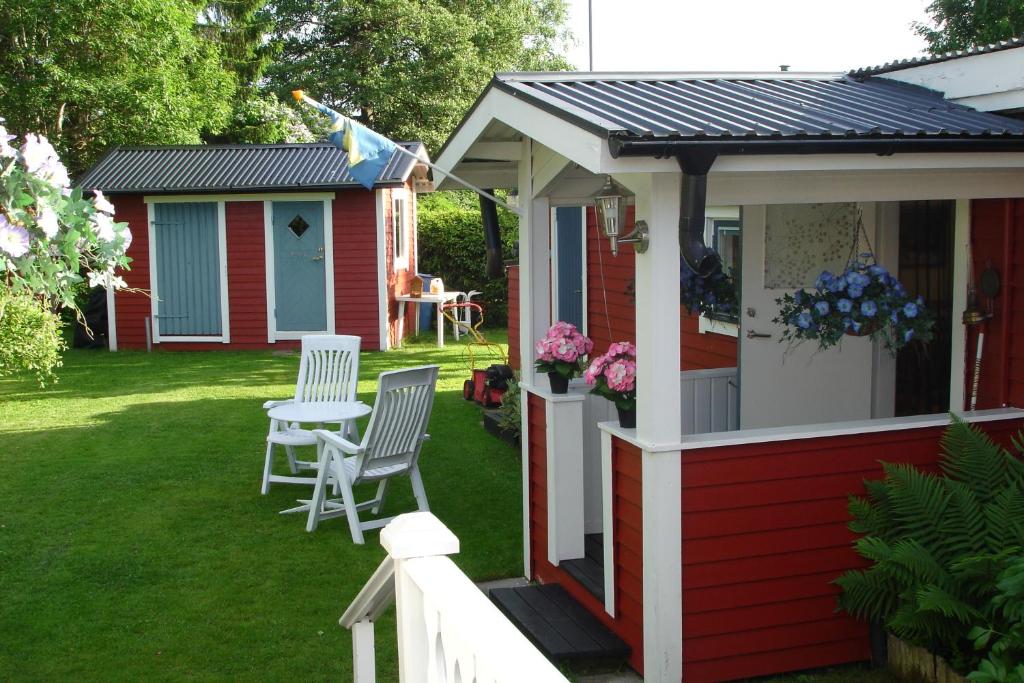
x=188, y=268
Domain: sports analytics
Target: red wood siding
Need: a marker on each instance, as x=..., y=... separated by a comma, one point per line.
x=764, y=534
x=247, y=276
x=995, y=225
x=132, y=308
x=628, y=521
x=609, y=276
x=513, y=315
x=356, y=301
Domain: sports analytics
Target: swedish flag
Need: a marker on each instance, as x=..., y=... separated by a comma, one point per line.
x=368, y=152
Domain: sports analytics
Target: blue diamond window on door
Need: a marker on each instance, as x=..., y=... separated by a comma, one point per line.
x=298, y=226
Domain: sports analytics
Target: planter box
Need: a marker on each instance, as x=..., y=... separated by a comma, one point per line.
x=491, y=425
x=910, y=661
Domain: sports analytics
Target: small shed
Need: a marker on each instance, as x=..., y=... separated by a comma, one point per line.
x=253, y=246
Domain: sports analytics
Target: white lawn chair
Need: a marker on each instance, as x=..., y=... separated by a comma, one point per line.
x=464, y=314
x=389, y=448
x=328, y=371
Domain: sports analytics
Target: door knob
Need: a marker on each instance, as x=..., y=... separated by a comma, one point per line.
x=751, y=334
x=318, y=258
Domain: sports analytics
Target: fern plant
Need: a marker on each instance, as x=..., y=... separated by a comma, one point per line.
x=938, y=544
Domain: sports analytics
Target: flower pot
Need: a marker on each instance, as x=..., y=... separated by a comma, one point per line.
x=627, y=418
x=559, y=383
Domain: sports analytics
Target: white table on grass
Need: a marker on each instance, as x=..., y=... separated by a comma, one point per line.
x=438, y=300
x=292, y=416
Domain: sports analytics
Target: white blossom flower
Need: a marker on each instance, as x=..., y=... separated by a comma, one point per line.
x=102, y=204
x=104, y=226
x=126, y=235
x=14, y=238
x=6, y=151
x=37, y=152
x=47, y=222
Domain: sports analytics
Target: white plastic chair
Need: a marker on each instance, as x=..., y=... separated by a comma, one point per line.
x=328, y=371
x=463, y=315
x=389, y=448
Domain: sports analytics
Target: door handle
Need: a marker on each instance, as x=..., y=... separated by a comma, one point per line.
x=751, y=334
x=318, y=258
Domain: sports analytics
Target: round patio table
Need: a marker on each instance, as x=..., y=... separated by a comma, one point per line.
x=320, y=412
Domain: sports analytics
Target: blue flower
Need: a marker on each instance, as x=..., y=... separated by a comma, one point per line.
x=859, y=279
x=910, y=310
x=852, y=325
x=855, y=291
x=821, y=307
x=837, y=285
x=824, y=279
x=868, y=309
x=798, y=296
x=878, y=271
x=844, y=305
x=908, y=335
x=804, y=320
x=895, y=317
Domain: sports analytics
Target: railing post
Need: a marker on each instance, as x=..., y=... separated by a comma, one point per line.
x=364, y=665
x=413, y=535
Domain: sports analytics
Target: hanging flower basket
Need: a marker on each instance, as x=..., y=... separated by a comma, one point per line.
x=613, y=376
x=865, y=300
x=710, y=295
x=561, y=354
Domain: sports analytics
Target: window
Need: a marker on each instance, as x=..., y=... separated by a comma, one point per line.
x=399, y=233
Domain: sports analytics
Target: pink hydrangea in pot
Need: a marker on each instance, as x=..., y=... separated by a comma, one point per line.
x=613, y=376
x=561, y=355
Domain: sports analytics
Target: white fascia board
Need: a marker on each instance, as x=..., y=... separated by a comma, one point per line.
x=983, y=74
x=865, y=162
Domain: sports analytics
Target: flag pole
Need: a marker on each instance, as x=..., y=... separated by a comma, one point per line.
x=301, y=96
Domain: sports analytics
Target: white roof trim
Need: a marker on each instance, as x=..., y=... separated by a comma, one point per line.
x=580, y=77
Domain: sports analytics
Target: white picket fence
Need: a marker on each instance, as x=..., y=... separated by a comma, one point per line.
x=448, y=630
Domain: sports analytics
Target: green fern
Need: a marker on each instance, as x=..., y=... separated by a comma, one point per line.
x=938, y=545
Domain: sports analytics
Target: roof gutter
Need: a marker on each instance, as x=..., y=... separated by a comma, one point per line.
x=695, y=158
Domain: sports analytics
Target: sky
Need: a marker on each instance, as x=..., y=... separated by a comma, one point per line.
x=745, y=35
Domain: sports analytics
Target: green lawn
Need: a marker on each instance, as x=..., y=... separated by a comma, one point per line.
x=134, y=544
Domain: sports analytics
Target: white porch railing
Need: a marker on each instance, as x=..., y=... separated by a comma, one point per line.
x=447, y=628
x=710, y=400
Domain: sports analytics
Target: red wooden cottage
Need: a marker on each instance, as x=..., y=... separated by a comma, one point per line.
x=708, y=536
x=252, y=246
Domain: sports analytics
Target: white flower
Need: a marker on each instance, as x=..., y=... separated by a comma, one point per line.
x=126, y=235
x=6, y=151
x=13, y=238
x=47, y=222
x=104, y=226
x=102, y=204
x=37, y=152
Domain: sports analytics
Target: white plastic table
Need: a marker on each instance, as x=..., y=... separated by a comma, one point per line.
x=320, y=412
x=437, y=299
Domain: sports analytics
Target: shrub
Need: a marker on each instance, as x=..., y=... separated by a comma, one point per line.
x=939, y=544
x=451, y=246
x=1005, y=644
x=30, y=339
x=509, y=415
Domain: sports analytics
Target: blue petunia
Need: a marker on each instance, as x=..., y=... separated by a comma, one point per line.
x=852, y=325
x=821, y=307
x=910, y=310
x=908, y=335
x=824, y=279
x=844, y=305
x=868, y=309
x=804, y=320
x=855, y=291
x=878, y=271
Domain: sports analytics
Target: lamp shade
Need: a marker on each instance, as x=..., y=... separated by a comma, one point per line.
x=610, y=203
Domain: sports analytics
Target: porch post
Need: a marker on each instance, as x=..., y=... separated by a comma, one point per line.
x=534, y=267
x=659, y=422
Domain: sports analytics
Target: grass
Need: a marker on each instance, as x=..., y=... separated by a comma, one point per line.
x=134, y=544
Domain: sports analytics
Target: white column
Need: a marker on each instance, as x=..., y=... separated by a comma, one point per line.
x=534, y=262
x=961, y=271
x=564, y=416
x=661, y=478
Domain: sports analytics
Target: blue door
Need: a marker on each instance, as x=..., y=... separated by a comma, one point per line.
x=569, y=250
x=187, y=269
x=300, y=290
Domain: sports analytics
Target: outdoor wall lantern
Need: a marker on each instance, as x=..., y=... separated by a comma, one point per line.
x=611, y=203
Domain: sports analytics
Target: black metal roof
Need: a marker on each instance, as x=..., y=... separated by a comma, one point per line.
x=631, y=108
x=898, y=64
x=221, y=168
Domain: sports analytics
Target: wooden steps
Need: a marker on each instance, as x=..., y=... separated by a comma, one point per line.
x=558, y=625
x=589, y=570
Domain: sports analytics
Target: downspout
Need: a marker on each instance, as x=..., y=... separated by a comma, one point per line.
x=702, y=259
x=492, y=236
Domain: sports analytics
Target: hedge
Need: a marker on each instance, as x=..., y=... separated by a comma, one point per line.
x=451, y=246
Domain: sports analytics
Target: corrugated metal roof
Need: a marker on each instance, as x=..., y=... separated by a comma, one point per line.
x=898, y=64
x=751, y=106
x=221, y=168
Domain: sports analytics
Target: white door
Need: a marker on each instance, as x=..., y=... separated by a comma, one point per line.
x=781, y=385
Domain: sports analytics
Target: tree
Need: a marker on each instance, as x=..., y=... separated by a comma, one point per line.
x=962, y=24
x=241, y=27
x=90, y=74
x=410, y=70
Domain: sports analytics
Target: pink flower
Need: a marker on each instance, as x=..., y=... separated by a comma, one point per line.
x=621, y=375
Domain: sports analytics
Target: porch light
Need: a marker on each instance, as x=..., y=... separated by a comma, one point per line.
x=611, y=203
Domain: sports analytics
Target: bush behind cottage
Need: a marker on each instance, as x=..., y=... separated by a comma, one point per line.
x=451, y=246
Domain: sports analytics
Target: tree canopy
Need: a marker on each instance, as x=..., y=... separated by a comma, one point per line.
x=90, y=74
x=410, y=70
x=962, y=24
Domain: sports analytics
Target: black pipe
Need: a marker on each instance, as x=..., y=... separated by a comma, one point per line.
x=702, y=259
x=492, y=236
x=620, y=147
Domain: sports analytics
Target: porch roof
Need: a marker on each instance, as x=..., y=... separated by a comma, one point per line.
x=221, y=168
x=757, y=107
x=900, y=64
